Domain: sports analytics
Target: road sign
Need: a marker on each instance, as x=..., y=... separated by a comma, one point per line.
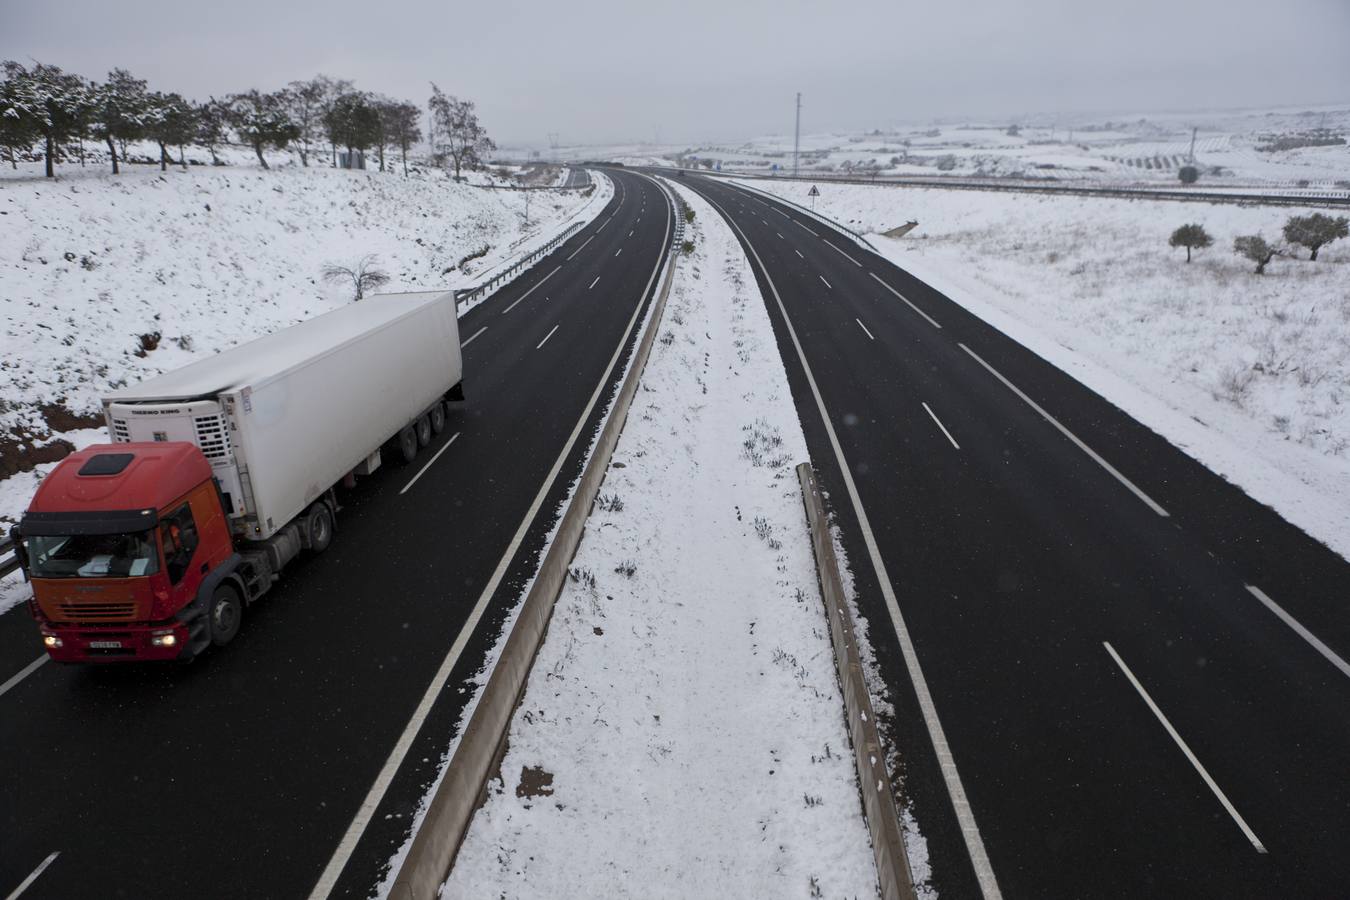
x=813, y=192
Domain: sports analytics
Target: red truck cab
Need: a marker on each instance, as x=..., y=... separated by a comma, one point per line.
x=125, y=544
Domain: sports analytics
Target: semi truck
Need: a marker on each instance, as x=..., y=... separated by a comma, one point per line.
x=218, y=474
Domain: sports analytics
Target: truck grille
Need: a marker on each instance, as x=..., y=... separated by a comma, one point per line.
x=96, y=612
x=121, y=434
x=212, y=436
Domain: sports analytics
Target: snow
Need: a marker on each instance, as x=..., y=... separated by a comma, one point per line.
x=212, y=257
x=1249, y=375
x=684, y=705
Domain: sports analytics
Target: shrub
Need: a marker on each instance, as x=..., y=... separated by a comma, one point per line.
x=1191, y=237
x=1188, y=174
x=1255, y=248
x=1315, y=231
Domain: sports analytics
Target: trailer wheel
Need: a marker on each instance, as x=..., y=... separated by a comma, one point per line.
x=423, y=426
x=407, y=443
x=226, y=615
x=320, y=524
x=437, y=415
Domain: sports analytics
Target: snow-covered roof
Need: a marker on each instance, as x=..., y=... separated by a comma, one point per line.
x=257, y=361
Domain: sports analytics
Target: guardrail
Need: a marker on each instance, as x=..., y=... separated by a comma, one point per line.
x=483, y=743
x=883, y=819
x=478, y=292
x=10, y=564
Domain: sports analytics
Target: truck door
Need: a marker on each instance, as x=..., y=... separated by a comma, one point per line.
x=180, y=539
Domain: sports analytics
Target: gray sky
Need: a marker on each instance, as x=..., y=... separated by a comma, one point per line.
x=607, y=70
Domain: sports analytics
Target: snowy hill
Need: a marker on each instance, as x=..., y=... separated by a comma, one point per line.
x=108, y=280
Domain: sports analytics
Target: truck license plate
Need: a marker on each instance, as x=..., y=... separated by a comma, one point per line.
x=105, y=645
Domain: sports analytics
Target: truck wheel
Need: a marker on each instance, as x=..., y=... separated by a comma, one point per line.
x=407, y=443
x=423, y=426
x=320, y=524
x=226, y=615
x=437, y=415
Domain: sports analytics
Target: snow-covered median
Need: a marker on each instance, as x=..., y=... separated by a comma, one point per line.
x=682, y=732
x=1249, y=374
x=106, y=280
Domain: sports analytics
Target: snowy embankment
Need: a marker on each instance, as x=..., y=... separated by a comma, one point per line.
x=105, y=280
x=682, y=732
x=1248, y=374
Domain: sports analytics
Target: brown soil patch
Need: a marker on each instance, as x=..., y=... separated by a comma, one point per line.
x=535, y=782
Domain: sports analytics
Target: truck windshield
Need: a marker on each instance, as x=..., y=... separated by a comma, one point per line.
x=93, y=555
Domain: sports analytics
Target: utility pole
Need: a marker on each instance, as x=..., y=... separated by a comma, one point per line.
x=797, y=135
x=1193, y=133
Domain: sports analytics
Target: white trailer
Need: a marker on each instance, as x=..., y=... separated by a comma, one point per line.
x=284, y=418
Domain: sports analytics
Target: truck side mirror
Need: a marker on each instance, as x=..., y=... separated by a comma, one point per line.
x=20, y=551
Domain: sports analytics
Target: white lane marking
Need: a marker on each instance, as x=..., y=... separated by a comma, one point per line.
x=28, y=882
x=1260, y=848
x=549, y=335
x=864, y=328
x=529, y=292
x=780, y=235
x=630, y=232
x=1148, y=501
x=23, y=673
x=979, y=858
x=366, y=811
x=777, y=210
x=934, y=417
x=422, y=470
x=617, y=252
x=842, y=253
x=603, y=224
x=474, y=335
x=1289, y=620
x=827, y=284
x=593, y=283
x=766, y=222
x=795, y=222
x=906, y=299
x=798, y=252
x=582, y=247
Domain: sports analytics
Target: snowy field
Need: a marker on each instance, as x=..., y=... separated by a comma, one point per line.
x=1250, y=375
x=682, y=732
x=108, y=280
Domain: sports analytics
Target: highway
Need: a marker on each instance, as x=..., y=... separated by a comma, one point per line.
x=296, y=756
x=1114, y=674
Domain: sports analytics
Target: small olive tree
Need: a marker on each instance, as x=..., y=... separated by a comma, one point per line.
x=1192, y=237
x=1315, y=231
x=1255, y=248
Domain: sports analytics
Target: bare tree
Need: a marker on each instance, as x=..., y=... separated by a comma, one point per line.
x=305, y=103
x=331, y=90
x=363, y=276
x=400, y=126
x=456, y=131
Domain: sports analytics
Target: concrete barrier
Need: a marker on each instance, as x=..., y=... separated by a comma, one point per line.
x=883, y=820
x=483, y=743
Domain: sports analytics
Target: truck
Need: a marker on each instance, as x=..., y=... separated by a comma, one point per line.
x=218, y=474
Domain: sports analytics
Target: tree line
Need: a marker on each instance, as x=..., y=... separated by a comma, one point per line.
x=1313, y=231
x=43, y=106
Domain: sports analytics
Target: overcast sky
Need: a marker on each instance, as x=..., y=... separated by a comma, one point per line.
x=698, y=70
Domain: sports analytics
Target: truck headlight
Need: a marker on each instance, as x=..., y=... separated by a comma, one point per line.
x=51, y=641
x=163, y=639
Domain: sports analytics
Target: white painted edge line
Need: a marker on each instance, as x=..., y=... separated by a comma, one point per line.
x=422, y=471
x=927, y=317
x=1148, y=501
x=842, y=253
x=1289, y=620
x=827, y=284
x=934, y=417
x=550, y=334
x=28, y=882
x=582, y=247
x=527, y=293
x=23, y=673
x=594, y=283
x=338, y=861
x=979, y=858
x=472, y=336
x=775, y=209
x=1260, y=848
x=864, y=328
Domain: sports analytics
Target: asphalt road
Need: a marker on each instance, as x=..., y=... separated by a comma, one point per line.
x=239, y=775
x=577, y=178
x=1124, y=715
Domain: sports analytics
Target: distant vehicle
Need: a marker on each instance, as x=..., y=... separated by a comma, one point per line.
x=222, y=472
